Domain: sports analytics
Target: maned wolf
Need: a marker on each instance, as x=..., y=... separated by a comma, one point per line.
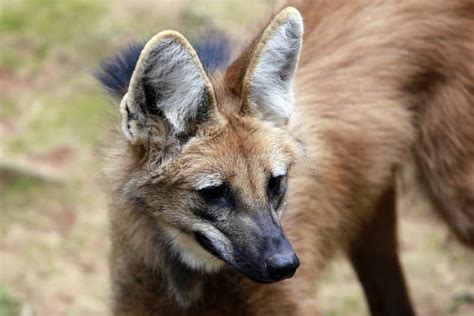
x=199, y=174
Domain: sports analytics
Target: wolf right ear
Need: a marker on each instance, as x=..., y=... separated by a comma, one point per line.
x=169, y=92
x=263, y=74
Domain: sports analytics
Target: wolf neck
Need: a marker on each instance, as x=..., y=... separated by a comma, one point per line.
x=183, y=285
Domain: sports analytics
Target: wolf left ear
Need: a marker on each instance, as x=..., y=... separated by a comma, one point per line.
x=169, y=93
x=264, y=73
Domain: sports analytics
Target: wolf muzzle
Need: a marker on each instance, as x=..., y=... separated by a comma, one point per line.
x=261, y=252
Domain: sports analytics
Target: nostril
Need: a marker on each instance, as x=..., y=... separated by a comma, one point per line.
x=282, y=266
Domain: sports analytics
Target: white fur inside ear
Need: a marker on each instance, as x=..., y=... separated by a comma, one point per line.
x=271, y=85
x=178, y=80
x=169, y=80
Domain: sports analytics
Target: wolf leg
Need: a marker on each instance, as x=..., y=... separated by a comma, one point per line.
x=375, y=259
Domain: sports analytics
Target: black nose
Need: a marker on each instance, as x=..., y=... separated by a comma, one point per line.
x=281, y=267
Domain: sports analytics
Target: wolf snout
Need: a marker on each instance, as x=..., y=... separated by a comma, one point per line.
x=282, y=266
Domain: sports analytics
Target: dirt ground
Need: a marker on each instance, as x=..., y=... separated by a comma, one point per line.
x=53, y=219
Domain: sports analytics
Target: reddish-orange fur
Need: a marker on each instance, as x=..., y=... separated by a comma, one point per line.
x=377, y=81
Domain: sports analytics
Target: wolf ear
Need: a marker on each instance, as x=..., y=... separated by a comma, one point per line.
x=263, y=75
x=169, y=92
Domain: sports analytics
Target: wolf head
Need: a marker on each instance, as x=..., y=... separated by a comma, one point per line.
x=211, y=153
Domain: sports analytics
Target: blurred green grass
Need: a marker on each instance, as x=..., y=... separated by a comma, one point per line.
x=33, y=28
x=8, y=304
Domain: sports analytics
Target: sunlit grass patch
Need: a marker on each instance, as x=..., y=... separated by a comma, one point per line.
x=31, y=28
x=51, y=19
x=75, y=121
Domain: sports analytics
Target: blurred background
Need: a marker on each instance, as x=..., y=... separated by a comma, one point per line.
x=53, y=216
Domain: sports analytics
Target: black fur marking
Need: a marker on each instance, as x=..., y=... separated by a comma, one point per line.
x=214, y=52
x=115, y=73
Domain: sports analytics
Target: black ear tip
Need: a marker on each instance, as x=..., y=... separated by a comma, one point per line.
x=213, y=51
x=115, y=73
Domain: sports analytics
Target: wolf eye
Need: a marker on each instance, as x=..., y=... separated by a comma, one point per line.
x=215, y=194
x=274, y=184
